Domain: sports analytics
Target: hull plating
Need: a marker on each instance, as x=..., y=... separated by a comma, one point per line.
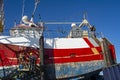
x=66, y=70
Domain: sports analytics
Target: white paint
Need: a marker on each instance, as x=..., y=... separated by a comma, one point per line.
x=65, y=43
x=54, y=43
x=93, y=42
x=21, y=41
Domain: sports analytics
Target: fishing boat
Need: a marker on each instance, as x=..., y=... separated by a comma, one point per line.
x=22, y=43
x=81, y=53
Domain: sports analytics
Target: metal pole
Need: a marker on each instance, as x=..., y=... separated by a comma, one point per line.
x=1, y=16
x=106, y=53
x=3, y=67
x=42, y=65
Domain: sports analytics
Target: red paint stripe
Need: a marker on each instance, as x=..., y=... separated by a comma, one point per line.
x=112, y=50
x=74, y=59
x=71, y=55
x=88, y=42
x=9, y=52
x=63, y=54
x=10, y=62
x=67, y=52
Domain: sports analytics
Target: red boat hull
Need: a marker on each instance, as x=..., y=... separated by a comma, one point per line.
x=10, y=54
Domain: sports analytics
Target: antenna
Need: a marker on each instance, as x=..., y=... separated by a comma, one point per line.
x=40, y=18
x=23, y=8
x=14, y=23
x=36, y=4
x=84, y=15
x=85, y=21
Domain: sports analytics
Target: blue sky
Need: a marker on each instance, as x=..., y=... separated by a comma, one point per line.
x=104, y=14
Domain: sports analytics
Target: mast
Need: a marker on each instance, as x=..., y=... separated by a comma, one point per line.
x=36, y=4
x=1, y=16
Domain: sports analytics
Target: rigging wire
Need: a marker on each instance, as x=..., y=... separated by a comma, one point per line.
x=36, y=4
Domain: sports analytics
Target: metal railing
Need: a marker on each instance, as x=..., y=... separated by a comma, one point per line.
x=26, y=32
